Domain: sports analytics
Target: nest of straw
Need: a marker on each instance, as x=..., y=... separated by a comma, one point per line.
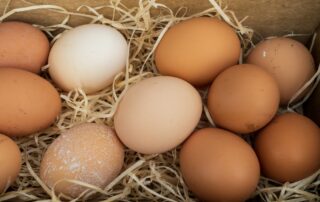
x=144, y=177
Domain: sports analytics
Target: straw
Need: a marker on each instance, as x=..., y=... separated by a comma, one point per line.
x=144, y=177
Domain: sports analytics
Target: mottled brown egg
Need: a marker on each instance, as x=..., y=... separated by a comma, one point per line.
x=197, y=50
x=88, y=152
x=157, y=114
x=218, y=165
x=28, y=104
x=289, y=148
x=10, y=162
x=243, y=98
x=22, y=46
x=288, y=60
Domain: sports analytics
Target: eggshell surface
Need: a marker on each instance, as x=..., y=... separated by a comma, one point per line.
x=10, y=162
x=157, y=114
x=28, y=104
x=217, y=165
x=88, y=57
x=88, y=152
x=289, y=148
x=197, y=50
x=23, y=46
x=288, y=60
x=243, y=98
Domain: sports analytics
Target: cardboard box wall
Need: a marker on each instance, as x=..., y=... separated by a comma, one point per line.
x=266, y=17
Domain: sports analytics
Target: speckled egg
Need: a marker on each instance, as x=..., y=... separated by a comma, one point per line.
x=88, y=152
x=288, y=61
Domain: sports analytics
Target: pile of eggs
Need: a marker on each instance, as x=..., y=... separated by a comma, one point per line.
x=160, y=113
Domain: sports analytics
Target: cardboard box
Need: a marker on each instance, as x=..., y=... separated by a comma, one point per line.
x=265, y=17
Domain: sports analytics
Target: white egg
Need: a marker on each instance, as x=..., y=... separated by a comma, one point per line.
x=88, y=57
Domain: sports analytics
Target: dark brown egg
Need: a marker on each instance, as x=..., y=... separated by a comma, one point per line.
x=219, y=166
x=243, y=98
x=289, y=148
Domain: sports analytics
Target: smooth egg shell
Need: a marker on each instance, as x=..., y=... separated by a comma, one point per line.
x=88, y=57
x=219, y=166
x=197, y=50
x=23, y=46
x=10, y=162
x=157, y=114
x=289, y=148
x=243, y=98
x=28, y=104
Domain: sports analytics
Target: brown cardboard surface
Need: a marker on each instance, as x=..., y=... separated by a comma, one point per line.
x=266, y=17
x=316, y=48
x=311, y=107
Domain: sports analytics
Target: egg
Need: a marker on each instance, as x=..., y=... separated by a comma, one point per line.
x=88, y=152
x=217, y=165
x=157, y=114
x=22, y=46
x=197, y=50
x=10, y=161
x=88, y=57
x=288, y=60
x=243, y=98
x=289, y=148
x=29, y=103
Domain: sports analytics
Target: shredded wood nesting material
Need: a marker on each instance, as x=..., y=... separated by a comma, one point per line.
x=144, y=177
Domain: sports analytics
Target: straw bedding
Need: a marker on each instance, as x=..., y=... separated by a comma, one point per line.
x=144, y=177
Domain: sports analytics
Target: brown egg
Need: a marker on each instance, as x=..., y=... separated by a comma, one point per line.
x=10, y=162
x=289, y=148
x=219, y=166
x=88, y=152
x=288, y=60
x=29, y=103
x=157, y=114
x=243, y=98
x=197, y=50
x=23, y=46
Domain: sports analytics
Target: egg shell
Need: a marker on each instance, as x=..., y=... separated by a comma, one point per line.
x=289, y=148
x=197, y=50
x=157, y=114
x=10, y=162
x=28, y=103
x=88, y=57
x=243, y=98
x=217, y=165
x=87, y=152
x=23, y=46
x=288, y=60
